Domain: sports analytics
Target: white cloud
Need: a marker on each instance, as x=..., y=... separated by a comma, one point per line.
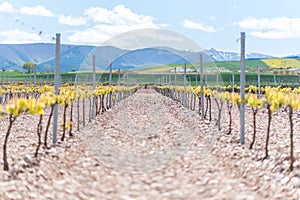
x=273, y=34
x=17, y=36
x=152, y=37
x=120, y=15
x=100, y=33
x=6, y=7
x=72, y=21
x=163, y=25
x=213, y=18
x=109, y=23
x=37, y=10
x=272, y=28
x=197, y=26
x=88, y=36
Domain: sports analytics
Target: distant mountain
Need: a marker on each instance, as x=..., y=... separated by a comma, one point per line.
x=13, y=56
x=147, y=57
x=78, y=57
x=296, y=56
x=70, y=58
x=218, y=55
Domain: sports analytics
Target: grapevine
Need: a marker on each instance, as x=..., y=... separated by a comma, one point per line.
x=273, y=98
x=34, y=101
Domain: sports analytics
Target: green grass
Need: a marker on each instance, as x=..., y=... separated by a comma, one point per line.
x=151, y=74
x=251, y=65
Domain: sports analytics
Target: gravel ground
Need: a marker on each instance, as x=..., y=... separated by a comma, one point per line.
x=150, y=147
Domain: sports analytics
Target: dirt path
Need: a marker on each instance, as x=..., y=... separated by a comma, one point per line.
x=147, y=147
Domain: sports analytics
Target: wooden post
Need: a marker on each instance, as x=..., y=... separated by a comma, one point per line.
x=56, y=87
x=258, y=80
x=2, y=79
x=119, y=77
x=242, y=84
x=94, y=87
x=184, y=82
x=110, y=74
x=175, y=78
x=34, y=76
x=232, y=86
x=201, y=85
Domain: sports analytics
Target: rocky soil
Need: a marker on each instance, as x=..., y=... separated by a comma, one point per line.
x=150, y=147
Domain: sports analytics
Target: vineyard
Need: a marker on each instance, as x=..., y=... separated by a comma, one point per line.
x=273, y=100
x=165, y=131
x=88, y=116
x=141, y=135
x=17, y=101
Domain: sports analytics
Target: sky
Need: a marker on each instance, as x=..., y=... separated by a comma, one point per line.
x=272, y=26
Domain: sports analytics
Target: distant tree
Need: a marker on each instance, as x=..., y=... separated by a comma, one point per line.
x=28, y=66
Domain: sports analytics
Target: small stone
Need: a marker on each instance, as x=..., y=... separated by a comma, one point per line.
x=285, y=180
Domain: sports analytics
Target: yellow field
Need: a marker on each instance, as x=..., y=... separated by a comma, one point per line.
x=282, y=63
x=162, y=68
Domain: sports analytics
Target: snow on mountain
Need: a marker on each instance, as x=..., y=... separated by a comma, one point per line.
x=218, y=55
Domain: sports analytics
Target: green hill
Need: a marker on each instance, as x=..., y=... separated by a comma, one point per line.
x=251, y=65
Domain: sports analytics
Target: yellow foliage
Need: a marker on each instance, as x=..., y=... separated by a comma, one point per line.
x=282, y=62
x=253, y=101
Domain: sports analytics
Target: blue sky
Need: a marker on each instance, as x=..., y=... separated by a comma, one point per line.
x=271, y=26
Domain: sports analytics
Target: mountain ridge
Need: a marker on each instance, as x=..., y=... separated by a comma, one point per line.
x=12, y=56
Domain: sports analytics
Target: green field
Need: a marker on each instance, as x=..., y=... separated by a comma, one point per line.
x=214, y=71
x=251, y=66
x=223, y=78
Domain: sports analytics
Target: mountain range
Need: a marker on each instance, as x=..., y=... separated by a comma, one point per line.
x=78, y=57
